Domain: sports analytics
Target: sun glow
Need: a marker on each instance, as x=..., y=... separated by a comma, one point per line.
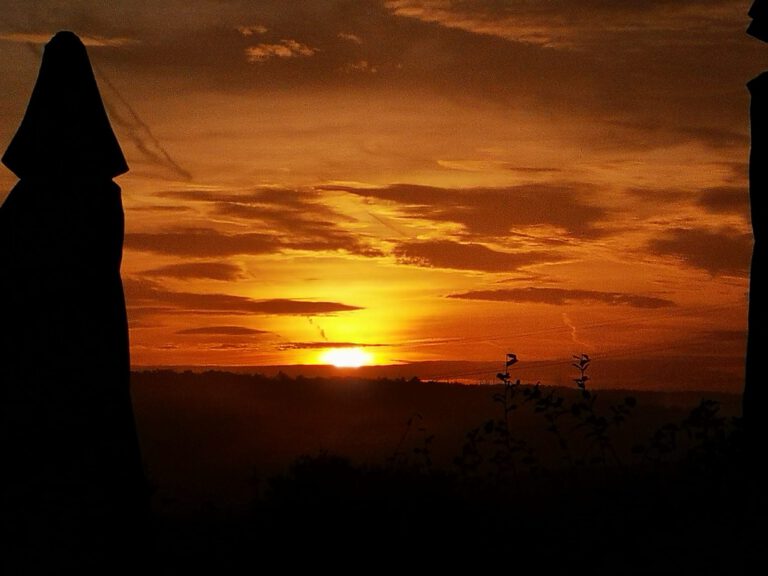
x=346, y=357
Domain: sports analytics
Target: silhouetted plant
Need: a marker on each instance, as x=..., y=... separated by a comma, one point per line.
x=553, y=407
x=562, y=417
x=422, y=452
x=597, y=425
x=702, y=440
x=581, y=364
x=508, y=451
x=471, y=459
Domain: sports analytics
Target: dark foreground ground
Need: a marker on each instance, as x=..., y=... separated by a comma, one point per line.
x=406, y=474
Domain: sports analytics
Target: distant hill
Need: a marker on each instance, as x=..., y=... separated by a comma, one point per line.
x=651, y=373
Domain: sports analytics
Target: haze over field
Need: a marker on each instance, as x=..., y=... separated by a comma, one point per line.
x=423, y=180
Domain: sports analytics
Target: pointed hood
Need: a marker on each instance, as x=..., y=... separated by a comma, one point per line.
x=759, y=26
x=65, y=129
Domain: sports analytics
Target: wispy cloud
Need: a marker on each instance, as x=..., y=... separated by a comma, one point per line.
x=360, y=66
x=223, y=331
x=569, y=25
x=283, y=49
x=201, y=243
x=562, y=296
x=253, y=29
x=490, y=212
x=725, y=200
x=145, y=292
x=467, y=256
x=293, y=220
x=320, y=345
x=354, y=38
x=206, y=270
x=716, y=251
x=44, y=37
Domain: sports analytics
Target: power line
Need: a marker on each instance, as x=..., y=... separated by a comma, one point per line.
x=617, y=353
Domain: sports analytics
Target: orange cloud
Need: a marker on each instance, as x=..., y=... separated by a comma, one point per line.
x=489, y=212
x=721, y=252
x=561, y=296
x=325, y=344
x=145, y=292
x=206, y=270
x=469, y=256
x=251, y=30
x=283, y=49
x=44, y=37
x=222, y=331
x=201, y=242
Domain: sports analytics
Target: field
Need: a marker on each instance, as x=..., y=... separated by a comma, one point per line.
x=245, y=465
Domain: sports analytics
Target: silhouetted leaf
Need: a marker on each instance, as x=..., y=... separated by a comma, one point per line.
x=576, y=410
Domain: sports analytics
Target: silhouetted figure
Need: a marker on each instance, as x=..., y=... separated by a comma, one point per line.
x=73, y=487
x=759, y=26
x=755, y=386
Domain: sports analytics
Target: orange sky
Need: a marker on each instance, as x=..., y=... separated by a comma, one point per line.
x=429, y=180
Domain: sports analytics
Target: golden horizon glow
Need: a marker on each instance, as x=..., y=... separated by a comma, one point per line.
x=346, y=357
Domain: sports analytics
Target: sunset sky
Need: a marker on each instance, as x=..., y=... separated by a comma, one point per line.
x=422, y=179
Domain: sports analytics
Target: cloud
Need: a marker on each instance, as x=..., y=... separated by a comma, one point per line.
x=209, y=270
x=159, y=208
x=489, y=212
x=728, y=199
x=44, y=38
x=294, y=220
x=230, y=346
x=223, y=331
x=718, y=252
x=146, y=292
x=299, y=230
x=320, y=345
x=724, y=337
x=360, y=66
x=557, y=24
x=725, y=200
x=563, y=296
x=283, y=49
x=485, y=165
x=251, y=30
x=138, y=313
x=201, y=242
x=659, y=131
x=454, y=255
x=354, y=38
x=658, y=196
x=613, y=58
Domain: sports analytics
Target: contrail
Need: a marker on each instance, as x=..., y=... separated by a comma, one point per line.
x=388, y=224
x=320, y=330
x=140, y=133
x=572, y=326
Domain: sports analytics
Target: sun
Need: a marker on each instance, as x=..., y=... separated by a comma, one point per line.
x=346, y=357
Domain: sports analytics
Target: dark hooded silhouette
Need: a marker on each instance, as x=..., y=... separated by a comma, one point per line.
x=72, y=481
x=759, y=25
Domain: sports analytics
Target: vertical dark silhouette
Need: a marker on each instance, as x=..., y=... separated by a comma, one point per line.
x=73, y=487
x=754, y=402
